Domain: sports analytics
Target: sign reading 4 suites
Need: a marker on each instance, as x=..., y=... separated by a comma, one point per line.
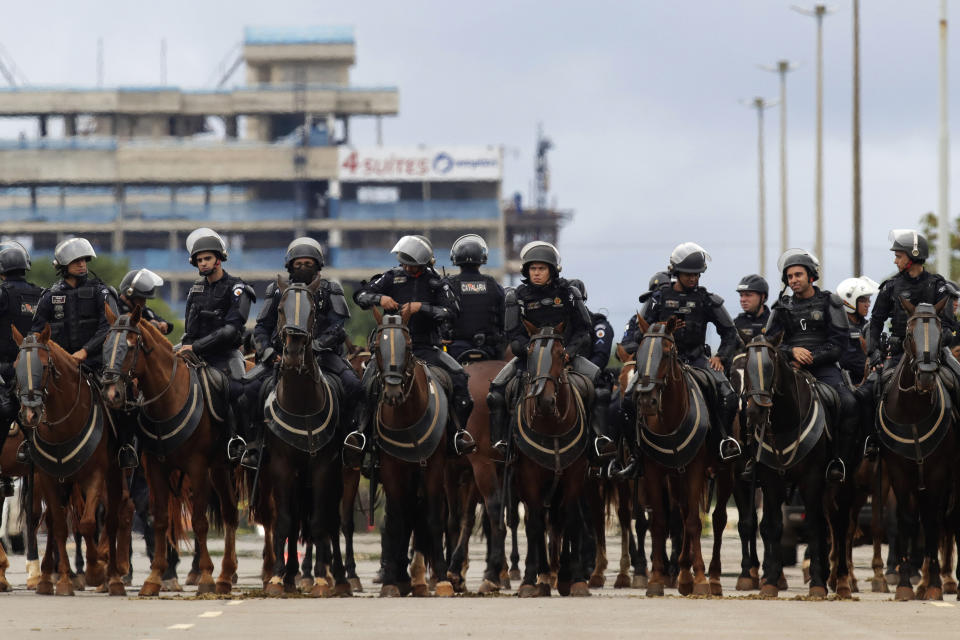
x=427, y=164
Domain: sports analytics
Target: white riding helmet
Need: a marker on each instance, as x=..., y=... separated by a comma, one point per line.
x=852, y=289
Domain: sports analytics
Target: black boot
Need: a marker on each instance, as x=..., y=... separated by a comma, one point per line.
x=836, y=471
x=355, y=443
x=865, y=404
x=604, y=448
x=498, y=420
x=729, y=447
x=127, y=454
x=463, y=442
x=236, y=445
x=247, y=425
x=6, y=487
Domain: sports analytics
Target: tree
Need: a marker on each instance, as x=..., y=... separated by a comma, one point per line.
x=928, y=226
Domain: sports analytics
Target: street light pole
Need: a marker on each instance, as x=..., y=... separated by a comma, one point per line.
x=783, y=67
x=761, y=105
x=943, y=215
x=857, y=202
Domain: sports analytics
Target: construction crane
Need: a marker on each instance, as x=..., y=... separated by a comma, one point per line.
x=9, y=70
x=544, y=145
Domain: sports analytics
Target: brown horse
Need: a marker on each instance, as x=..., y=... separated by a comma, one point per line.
x=920, y=446
x=672, y=425
x=551, y=434
x=176, y=428
x=73, y=450
x=302, y=453
x=410, y=424
x=14, y=469
x=483, y=483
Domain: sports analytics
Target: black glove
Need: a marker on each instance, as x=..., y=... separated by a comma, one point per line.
x=876, y=358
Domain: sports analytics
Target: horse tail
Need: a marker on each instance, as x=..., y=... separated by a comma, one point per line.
x=179, y=508
x=215, y=511
x=611, y=500
x=706, y=491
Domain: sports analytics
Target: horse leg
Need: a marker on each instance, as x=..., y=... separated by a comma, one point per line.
x=658, y=532
x=393, y=545
x=64, y=585
x=351, y=483
x=841, y=526
x=434, y=487
x=906, y=534
x=596, y=512
x=485, y=477
x=160, y=505
x=460, y=523
x=771, y=530
x=87, y=528
x=224, y=485
x=748, y=579
x=931, y=509
x=627, y=550
x=512, y=502
x=724, y=491
x=946, y=562
x=200, y=484
x=641, y=525
x=675, y=524
x=878, y=583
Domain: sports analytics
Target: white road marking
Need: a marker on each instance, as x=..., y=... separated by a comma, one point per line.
x=210, y=614
x=940, y=604
x=180, y=627
x=233, y=603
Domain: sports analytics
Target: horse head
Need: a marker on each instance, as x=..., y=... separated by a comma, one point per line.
x=394, y=358
x=37, y=373
x=922, y=342
x=657, y=364
x=545, y=362
x=295, y=318
x=122, y=364
x=760, y=378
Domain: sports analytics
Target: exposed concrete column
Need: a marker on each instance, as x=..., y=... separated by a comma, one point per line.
x=333, y=199
x=207, y=189
x=63, y=197
x=43, y=126
x=70, y=125
x=33, y=198
x=174, y=282
x=230, y=122
x=119, y=194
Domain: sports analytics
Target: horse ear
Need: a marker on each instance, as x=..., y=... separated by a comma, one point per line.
x=530, y=327
x=622, y=354
x=111, y=316
x=377, y=315
x=136, y=314
x=17, y=336
x=744, y=338
x=671, y=325
x=776, y=340
x=282, y=283
x=642, y=324
x=559, y=328
x=44, y=336
x=940, y=305
x=907, y=305
x=313, y=286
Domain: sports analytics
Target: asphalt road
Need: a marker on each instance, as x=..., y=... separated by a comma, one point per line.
x=610, y=613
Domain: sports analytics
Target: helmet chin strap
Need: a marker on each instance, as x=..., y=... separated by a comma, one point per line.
x=204, y=273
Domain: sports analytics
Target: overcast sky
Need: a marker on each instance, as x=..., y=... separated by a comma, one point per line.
x=642, y=100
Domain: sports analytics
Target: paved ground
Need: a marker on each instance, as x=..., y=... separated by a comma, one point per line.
x=610, y=612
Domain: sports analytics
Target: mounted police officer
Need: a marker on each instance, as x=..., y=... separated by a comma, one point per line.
x=303, y=262
x=815, y=333
x=18, y=301
x=545, y=299
x=856, y=293
x=751, y=321
x=479, y=326
x=697, y=307
x=415, y=288
x=217, y=308
x=630, y=333
x=138, y=286
x=601, y=332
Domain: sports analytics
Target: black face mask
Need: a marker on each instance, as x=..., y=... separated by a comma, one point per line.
x=304, y=276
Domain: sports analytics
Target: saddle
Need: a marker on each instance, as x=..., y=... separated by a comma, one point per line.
x=553, y=452
x=415, y=443
x=781, y=451
x=917, y=441
x=675, y=450
x=215, y=385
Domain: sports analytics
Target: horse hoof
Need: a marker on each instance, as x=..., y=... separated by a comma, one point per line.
x=389, y=591
x=234, y=578
x=844, y=593
x=355, y=585
x=273, y=589
x=854, y=586
x=654, y=589
x=685, y=588
x=892, y=578
x=305, y=584
x=528, y=591
x=543, y=590
x=5, y=586
x=101, y=588
x=173, y=585
x=444, y=589
x=879, y=585
x=44, y=587
x=639, y=582
x=817, y=592
x=703, y=588
x=949, y=587
x=488, y=586
x=206, y=586
x=96, y=576
x=782, y=582
x=597, y=581
x=806, y=575
x=903, y=594
x=420, y=591
x=343, y=590
x=32, y=582
x=79, y=582
x=64, y=588
x=933, y=593
x=515, y=574
x=769, y=591
x=505, y=584
x=224, y=588
x=622, y=581
x=671, y=582
x=320, y=590
x=405, y=588
x=745, y=583
x=116, y=587
x=921, y=593
x=193, y=579
x=563, y=588
x=150, y=589
x=579, y=590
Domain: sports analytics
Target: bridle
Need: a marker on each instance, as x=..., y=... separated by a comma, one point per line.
x=301, y=329
x=762, y=396
x=37, y=375
x=117, y=346
x=397, y=370
x=648, y=381
x=925, y=358
x=542, y=343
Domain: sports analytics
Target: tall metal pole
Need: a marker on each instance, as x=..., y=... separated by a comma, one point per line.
x=783, y=67
x=943, y=215
x=761, y=105
x=857, y=203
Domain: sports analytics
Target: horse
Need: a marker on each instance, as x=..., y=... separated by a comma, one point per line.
x=550, y=431
x=410, y=425
x=73, y=448
x=302, y=451
x=177, y=409
x=483, y=483
x=30, y=508
x=915, y=417
x=786, y=410
x=672, y=422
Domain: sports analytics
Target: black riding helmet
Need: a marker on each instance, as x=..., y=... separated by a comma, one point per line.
x=911, y=242
x=798, y=257
x=688, y=257
x=303, y=248
x=414, y=251
x=540, y=251
x=205, y=239
x=755, y=283
x=468, y=249
x=14, y=257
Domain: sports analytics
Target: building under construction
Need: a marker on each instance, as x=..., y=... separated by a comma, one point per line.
x=137, y=168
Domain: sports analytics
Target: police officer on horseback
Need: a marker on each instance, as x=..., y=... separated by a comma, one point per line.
x=18, y=301
x=697, y=307
x=303, y=262
x=217, y=308
x=752, y=319
x=138, y=286
x=417, y=289
x=545, y=299
x=815, y=334
x=478, y=329
x=856, y=293
x=631, y=332
x=598, y=349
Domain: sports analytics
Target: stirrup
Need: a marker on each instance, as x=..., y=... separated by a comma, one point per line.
x=125, y=462
x=23, y=453
x=749, y=470
x=832, y=467
x=469, y=444
x=349, y=444
x=870, y=448
x=724, y=444
x=235, y=448
x=251, y=458
x=603, y=447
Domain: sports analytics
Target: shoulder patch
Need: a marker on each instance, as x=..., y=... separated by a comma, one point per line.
x=58, y=299
x=473, y=287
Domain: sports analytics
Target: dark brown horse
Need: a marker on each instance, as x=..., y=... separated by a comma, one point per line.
x=73, y=449
x=178, y=433
x=29, y=512
x=410, y=423
x=920, y=446
x=672, y=425
x=551, y=434
x=302, y=453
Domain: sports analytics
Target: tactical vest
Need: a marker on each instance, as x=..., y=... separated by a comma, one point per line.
x=691, y=307
x=806, y=320
x=21, y=305
x=923, y=289
x=207, y=306
x=480, y=299
x=426, y=290
x=543, y=306
x=752, y=325
x=76, y=315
